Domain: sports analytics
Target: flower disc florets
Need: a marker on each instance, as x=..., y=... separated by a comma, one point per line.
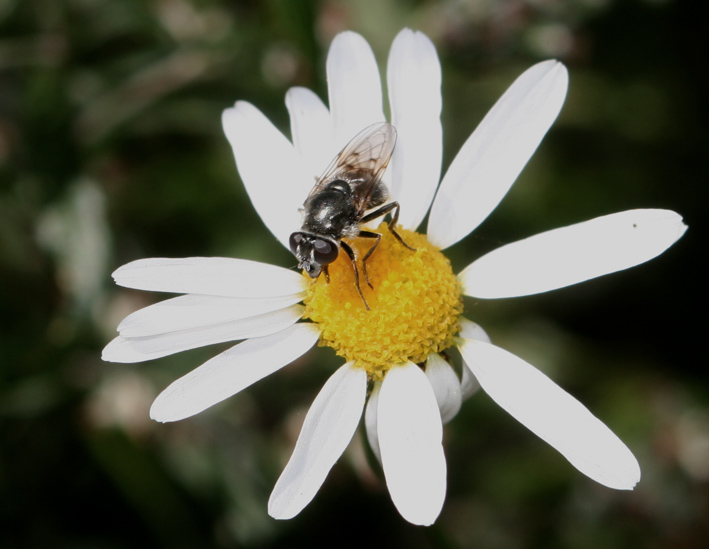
x=415, y=301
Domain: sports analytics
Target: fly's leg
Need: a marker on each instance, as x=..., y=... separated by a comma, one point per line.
x=369, y=234
x=353, y=259
x=391, y=207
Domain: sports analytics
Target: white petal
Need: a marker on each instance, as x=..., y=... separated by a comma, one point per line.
x=139, y=349
x=497, y=151
x=468, y=384
x=220, y=276
x=553, y=415
x=410, y=434
x=446, y=386
x=328, y=429
x=570, y=255
x=311, y=129
x=274, y=174
x=370, y=420
x=354, y=88
x=470, y=330
x=414, y=80
x=193, y=310
x=232, y=371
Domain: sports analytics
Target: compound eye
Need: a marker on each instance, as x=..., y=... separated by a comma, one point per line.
x=295, y=240
x=324, y=251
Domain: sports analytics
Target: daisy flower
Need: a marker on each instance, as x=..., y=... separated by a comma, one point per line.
x=394, y=372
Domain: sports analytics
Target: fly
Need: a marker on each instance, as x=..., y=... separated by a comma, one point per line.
x=337, y=206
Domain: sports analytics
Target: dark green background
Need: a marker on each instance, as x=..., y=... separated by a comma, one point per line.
x=111, y=150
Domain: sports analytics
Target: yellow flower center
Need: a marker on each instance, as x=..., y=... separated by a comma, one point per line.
x=414, y=301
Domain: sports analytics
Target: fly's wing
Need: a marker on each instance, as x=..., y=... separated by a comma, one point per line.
x=361, y=163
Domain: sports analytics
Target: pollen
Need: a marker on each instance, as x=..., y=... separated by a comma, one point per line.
x=415, y=301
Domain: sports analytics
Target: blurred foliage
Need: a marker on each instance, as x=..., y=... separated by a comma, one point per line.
x=111, y=150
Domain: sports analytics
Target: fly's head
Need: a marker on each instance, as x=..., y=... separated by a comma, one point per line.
x=313, y=251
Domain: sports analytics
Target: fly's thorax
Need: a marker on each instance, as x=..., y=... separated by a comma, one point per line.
x=329, y=212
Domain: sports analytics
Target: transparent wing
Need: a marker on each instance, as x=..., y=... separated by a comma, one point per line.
x=361, y=163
